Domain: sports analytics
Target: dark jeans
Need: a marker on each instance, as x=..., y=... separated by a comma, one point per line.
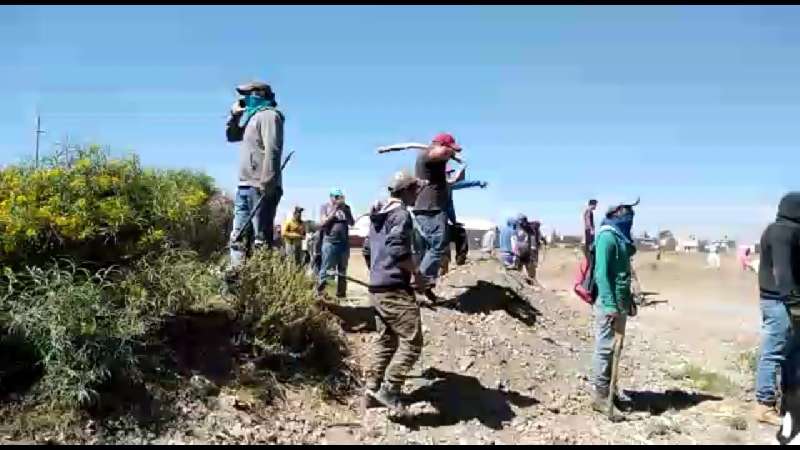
x=263, y=221
x=431, y=242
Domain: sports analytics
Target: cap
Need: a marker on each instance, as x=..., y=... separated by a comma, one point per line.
x=521, y=218
x=247, y=88
x=298, y=208
x=447, y=140
x=614, y=208
x=403, y=180
x=336, y=192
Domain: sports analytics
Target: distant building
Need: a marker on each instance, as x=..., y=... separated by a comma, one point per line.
x=690, y=245
x=359, y=232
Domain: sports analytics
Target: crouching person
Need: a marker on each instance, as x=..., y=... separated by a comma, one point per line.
x=398, y=318
x=612, y=271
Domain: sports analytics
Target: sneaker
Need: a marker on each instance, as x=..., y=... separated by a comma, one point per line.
x=766, y=414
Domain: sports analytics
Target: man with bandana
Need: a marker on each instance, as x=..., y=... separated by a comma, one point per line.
x=614, y=247
x=256, y=122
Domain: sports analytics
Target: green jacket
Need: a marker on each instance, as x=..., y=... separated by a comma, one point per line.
x=612, y=271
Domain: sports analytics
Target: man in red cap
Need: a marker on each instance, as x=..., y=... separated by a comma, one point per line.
x=430, y=209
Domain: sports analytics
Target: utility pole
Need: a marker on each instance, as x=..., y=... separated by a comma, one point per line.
x=38, y=133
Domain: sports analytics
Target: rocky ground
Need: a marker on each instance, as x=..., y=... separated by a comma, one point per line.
x=503, y=364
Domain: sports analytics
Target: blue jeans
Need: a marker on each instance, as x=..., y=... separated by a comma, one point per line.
x=263, y=221
x=779, y=351
x=431, y=243
x=604, y=346
x=334, y=255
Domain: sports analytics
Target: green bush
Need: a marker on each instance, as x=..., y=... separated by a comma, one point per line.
x=274, y=294
x=97, y=256
x=98, y=209
x=74, y=321
x=87, y=326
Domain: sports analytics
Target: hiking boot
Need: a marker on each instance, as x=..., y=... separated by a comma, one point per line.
x=389, y=398
x=766, y=414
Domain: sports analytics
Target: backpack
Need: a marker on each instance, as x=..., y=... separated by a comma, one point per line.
x=584, y=286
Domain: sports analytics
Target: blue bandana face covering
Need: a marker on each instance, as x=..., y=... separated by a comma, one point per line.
x=253, y=104
x=622, y=224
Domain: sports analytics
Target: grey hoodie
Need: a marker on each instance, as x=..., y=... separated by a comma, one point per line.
x=390, y=235
x=261, y=149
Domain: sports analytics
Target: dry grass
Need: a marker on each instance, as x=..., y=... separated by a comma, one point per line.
x=704, y=380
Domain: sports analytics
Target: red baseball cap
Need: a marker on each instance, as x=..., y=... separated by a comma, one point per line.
x=447, y=140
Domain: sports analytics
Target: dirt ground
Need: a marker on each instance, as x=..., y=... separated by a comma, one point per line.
x=505, y=364
x=685, y=362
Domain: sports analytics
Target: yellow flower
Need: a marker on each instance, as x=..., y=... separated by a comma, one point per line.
x=82, y=164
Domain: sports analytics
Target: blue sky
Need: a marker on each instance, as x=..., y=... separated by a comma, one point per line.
x=695, y=109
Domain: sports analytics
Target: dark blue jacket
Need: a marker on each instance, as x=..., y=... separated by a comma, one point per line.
x=388, y=245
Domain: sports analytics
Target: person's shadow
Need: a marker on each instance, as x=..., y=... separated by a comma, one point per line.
x=656, y=403
x=460, y=398
x=485, y=297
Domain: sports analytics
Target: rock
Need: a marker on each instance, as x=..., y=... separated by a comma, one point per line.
x=248, y=373
x=202, y=386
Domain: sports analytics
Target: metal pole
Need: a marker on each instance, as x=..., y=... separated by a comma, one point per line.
x=38, y=133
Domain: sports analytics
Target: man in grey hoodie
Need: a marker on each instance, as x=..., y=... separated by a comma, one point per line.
x=261, y=129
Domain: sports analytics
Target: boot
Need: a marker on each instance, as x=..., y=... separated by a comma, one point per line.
x=600, y=402
x=368, y=400
x=766, y=414
x=431, y=296
x=388, y=397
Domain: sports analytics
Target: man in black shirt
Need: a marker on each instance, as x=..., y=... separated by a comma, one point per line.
x=430, y=209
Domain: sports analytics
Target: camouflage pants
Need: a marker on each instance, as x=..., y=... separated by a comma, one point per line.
x=399, y=341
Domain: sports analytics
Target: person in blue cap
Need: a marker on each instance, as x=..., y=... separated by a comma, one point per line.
x=336, y=219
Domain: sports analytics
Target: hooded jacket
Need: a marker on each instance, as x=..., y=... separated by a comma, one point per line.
x=779, y=269
x=389, y=244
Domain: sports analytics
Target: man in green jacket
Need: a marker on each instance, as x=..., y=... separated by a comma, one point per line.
x=613, y=250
